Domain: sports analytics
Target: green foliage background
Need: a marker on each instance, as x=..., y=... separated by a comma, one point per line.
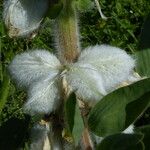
x=122, y=29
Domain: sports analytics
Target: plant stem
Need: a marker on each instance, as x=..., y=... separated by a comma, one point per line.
x=58, y=123
x=66, y=33
x=67, y=43
x=86, y=138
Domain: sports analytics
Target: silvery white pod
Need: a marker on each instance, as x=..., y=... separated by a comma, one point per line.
x=113, y=64
x=38, y=72
x=43, y=96
x=100, y=69
x=85, y=81
x=33, y=65
x=24, y=16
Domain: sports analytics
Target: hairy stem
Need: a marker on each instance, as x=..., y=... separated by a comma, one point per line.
x=68, y=48
x=66, y=33
x=86, y=138
x=58, y=124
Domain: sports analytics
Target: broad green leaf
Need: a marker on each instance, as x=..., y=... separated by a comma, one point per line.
x=145, y=34
x=146, y=131
x=110, y=114
x=69, y=115
x=73, y=117
x=136, y=108
x=143, y=62
x=78, y=126
x=122, y=142
x=70, y=107
x=4, y=90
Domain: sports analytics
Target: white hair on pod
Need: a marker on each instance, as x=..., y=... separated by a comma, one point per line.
x=85, y=81
x=38, y=71
x=24, y=16
x=99, y=70
x=43, y=96
x=112, y=63
x=31, y=66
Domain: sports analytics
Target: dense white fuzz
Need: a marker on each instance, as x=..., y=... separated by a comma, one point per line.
x=98, y=71
x=43, y=96
x=31, y=66
x=113, y=64
x=85, y=81
x=38, y=71
x=38, y=136
x=24, y=16
x=134, y=77
x=129, y=130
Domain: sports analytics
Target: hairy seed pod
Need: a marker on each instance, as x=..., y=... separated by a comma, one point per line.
x=99, y=70
x=31, y=66
x=24, y=16
x=38, y=72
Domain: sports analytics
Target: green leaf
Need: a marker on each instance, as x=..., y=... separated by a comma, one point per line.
x=146, y=131
x=143, y=62
x=4, y=92
x=122, y=142
x=145, y=34
x=109, y=116
x=70, y=107
x=73, y=117
x=78, y=126
x=140, y=104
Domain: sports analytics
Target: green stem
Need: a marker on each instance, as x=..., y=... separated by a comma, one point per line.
x=58, y=124
x=66, y=33
x=67, y=43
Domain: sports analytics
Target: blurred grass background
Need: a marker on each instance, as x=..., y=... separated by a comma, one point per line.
x=122, y=29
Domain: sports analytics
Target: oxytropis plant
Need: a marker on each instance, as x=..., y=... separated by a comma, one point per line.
x=50, y=79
